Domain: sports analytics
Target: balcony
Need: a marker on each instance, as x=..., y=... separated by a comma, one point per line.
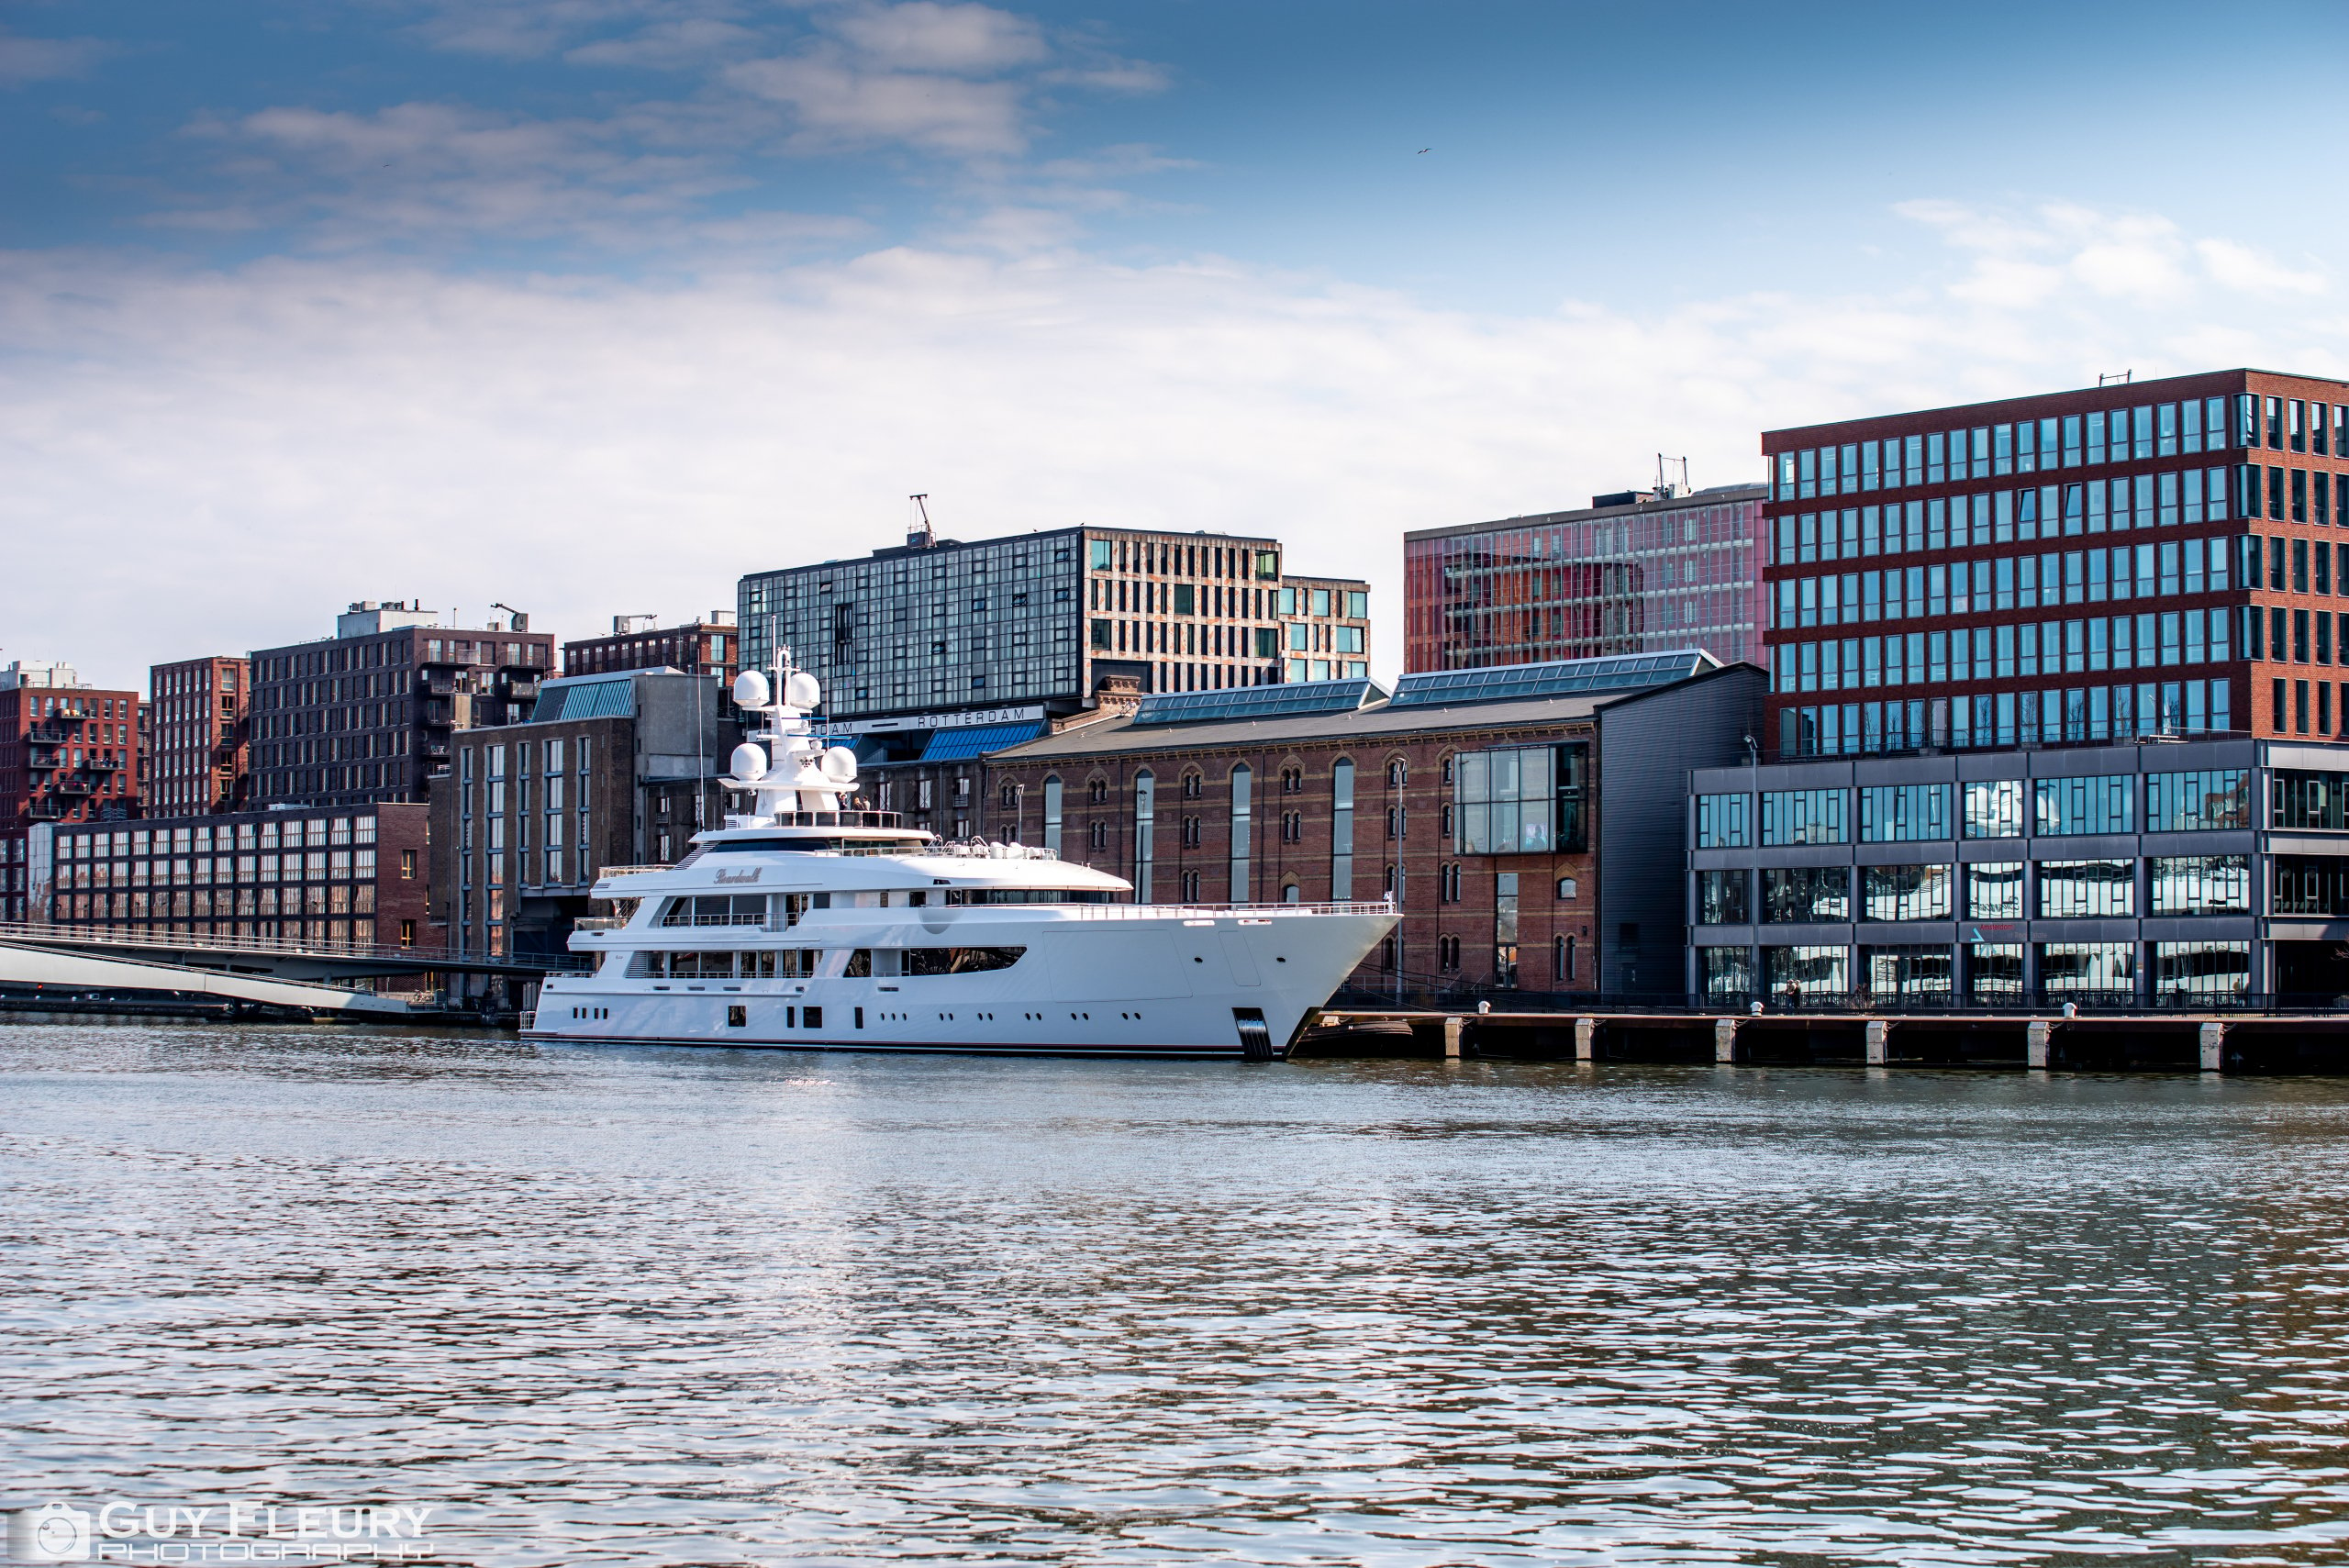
x=40, y=763
x=53, y=733
x=68, y=784
x=104, y=765
x=47, y=810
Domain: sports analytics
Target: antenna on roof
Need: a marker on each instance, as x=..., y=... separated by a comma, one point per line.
x=921, y=535
x=2115, y=378
x=1665, y=488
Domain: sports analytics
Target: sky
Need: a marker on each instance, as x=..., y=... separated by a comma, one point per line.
x=590, y=307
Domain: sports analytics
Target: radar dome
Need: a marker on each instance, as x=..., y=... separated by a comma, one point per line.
x=751, y=689
x=802, y=691
x=839, y=765
x=750, y=761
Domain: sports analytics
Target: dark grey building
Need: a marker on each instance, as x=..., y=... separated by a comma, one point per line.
x=1036, y=620
x=2176, y=872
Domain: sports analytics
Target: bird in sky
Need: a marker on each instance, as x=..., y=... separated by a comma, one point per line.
x=1423, y=150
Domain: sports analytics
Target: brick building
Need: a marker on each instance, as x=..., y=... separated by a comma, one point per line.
x=606, y=771
x=706, y=647
x=319, y=876
x=367, y=715
x=1528, y=821
x=69, y=752
x=1635, y=572
x=198, y=745
x=2093, y=565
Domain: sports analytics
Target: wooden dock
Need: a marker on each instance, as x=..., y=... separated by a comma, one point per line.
x=2179, y=1041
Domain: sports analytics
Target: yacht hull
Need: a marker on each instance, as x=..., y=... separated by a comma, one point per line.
x=1120, y=981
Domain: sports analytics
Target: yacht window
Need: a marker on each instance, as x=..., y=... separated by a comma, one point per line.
x=957, y=960
x=1029, y=895
x=718, y=909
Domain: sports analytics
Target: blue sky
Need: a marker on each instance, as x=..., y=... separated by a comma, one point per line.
x=569, y=303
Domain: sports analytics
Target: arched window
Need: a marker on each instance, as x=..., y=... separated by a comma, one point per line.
x=1053, y=813
x=1241, y=808
x=1145, y=827
x=1290, y=894
x=1341, y=829
x=1397, y=773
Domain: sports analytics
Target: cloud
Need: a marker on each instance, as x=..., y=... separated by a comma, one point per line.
x=421, y=171
x=2059, y=251
x=24, y=60
x=2240, y=267
x=921, y=35
x=840, y=103
x=294, y=434
x=669, y=45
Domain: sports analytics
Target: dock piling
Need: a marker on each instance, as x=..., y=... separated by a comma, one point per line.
x=2214, y=1047
x=1586, y=1039
x=2034, y=1048
x=1880, y=1041
x=1724, y=1041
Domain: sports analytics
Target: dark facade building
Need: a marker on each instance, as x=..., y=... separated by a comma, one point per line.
x=367, y=715
x=609, y=769
x=314, y=877
x=68, y=753
x=198, y=745
x=1038, y=619
x=1526, y=821
x=706, y=647
x=1635, y=572
x=2095, y=565
x=2190, y=872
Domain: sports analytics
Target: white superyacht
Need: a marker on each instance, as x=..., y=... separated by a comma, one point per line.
x=805, y=923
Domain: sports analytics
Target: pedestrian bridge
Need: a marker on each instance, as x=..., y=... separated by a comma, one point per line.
x=316, y=961
x=50, y=970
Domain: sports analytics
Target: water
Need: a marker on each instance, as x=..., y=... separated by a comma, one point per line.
x=654, y=1306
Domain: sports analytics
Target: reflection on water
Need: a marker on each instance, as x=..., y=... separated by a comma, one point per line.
x=673, y=1307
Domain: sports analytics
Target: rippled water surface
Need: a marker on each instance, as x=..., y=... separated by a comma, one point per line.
x=654, y=1306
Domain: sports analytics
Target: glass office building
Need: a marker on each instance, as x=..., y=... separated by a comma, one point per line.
x=2185, y=873
x=2160, y=558
x=1635, y=572
x=1036, y=624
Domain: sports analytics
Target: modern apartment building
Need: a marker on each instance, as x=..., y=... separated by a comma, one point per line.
x=1637, y=571
x=1325, y=629
x=709, y=646
x=199, y=750
x=69, y=752
x=2192, y=873
x=316, y=877
x=2160, y=558
x=1038, y=619
x=366, y=715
